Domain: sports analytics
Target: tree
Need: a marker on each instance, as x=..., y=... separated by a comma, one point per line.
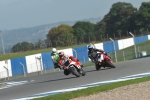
x=24, y=46
x=82, y=30
x=118, y=18
x=40, y=44
x=142, y=17
x=79, y=33
x=61, y=35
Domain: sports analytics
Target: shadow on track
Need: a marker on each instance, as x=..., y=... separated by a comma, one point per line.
x=57, y=79
x=99, y=69
x=72, y=77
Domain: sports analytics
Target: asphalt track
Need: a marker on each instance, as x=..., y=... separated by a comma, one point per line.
x=57, y=81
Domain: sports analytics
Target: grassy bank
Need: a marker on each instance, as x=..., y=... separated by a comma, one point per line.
x=129, y=52
x=92, y=90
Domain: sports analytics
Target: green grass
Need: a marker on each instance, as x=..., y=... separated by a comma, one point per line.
x=88, y=64
x=129, y=53
x=92, y=90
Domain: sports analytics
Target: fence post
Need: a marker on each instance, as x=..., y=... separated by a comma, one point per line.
x=7, y=72
x=39, y=58
x=36, y=64
x=139, y=51
x=124, y=56
x=23, y=69
x=134, y=43
x=75, y=53
x=114, y=48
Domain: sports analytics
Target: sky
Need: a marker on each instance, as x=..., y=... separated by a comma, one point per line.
x=15, y=14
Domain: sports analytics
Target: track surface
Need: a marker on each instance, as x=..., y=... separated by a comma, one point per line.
x=57, y=81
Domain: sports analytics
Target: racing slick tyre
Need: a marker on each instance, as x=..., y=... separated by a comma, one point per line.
x=83, y=72
x=97, y=66
x=66, y=72
x=74, y=71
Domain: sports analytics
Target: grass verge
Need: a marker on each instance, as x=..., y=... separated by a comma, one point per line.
x=93, y=90
x=89, y=63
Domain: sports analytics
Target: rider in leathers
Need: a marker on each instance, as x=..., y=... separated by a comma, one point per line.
x=63, y=58
x=55, y=58
x=92, y=53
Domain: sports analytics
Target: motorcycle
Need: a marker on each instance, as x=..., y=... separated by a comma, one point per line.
x=74, y=67
x=106, y=61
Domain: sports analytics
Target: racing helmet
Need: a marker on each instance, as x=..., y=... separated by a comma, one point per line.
x=61, y=54
x=54, y=50
x=90, y=48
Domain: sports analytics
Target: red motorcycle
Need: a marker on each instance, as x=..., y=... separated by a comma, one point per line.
x=74, y=67
x=103, y=60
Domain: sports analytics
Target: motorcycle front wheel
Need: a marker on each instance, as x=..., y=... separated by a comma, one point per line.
x=83, y=72
x=110, y=64
x=74, y=71
x=97, y=66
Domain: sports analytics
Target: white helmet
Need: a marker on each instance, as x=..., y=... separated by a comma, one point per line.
x=54, y=50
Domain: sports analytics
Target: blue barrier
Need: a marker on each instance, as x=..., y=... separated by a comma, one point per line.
x=109, y=47
x=82, y=53
x=16, y=67
x=47, y=61
x=140, y=39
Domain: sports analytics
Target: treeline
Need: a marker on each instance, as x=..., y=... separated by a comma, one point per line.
x=121, y=19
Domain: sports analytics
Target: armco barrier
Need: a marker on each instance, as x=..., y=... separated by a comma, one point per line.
x=42, y=61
